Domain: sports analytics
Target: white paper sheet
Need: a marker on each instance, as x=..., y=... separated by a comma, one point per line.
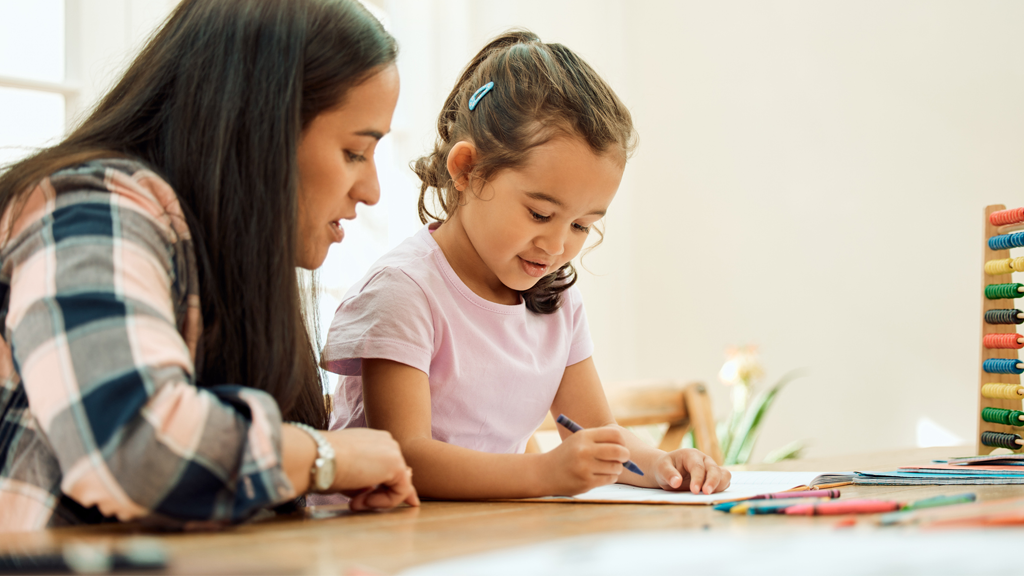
x=744, y=485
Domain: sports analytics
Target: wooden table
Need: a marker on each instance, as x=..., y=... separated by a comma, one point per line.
x=385, y=543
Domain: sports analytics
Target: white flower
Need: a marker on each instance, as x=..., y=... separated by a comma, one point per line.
x=742, y=367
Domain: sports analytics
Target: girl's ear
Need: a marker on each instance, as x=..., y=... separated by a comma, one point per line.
x=461, y=160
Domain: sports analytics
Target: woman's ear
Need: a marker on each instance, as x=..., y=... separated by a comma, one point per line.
x=461, y=160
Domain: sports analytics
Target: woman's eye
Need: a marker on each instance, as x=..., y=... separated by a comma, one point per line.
x=581, y=228
x=353, y=157
x=538, y=217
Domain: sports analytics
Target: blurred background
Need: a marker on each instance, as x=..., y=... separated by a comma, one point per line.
x=811, y=180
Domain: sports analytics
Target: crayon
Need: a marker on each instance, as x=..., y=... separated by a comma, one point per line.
x=940, y=501
x=727, y=506
x=907, y=511
x=574, y=428
x=755, y=507
x=843, y=507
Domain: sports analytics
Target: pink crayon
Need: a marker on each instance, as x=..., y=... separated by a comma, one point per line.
x=843, y=507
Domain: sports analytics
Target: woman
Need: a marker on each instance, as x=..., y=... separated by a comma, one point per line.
x=155, y=346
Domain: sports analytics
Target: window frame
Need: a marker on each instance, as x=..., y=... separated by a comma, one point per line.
x=70, y=88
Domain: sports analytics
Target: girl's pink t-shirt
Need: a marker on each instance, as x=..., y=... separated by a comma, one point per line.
x=493, y=369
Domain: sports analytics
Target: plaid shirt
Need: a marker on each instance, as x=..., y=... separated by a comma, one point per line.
x=100, y=417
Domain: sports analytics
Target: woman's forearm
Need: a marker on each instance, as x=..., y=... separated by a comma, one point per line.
x=441, y=470
x=298, y=451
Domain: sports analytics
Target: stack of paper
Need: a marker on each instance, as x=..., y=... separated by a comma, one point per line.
x=991, y=459
x=1001, y=469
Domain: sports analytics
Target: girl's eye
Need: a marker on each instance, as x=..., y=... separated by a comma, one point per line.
x=581, y=228
x=353, y=157
x=538, y=217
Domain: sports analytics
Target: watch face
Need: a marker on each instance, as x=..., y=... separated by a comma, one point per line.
x=324, y=476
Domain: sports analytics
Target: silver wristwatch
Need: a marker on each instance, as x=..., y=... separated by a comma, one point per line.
x=321, y=475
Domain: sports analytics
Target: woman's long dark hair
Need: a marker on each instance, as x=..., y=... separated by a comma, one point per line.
x=216, y=104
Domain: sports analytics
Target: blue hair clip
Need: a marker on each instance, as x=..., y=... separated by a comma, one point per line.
x=480, y=93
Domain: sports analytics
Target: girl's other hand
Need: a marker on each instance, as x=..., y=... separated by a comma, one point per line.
x=370, y=469
x=586, y=460
x=693, y=470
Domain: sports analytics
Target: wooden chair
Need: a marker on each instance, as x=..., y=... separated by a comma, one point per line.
x=682, y=406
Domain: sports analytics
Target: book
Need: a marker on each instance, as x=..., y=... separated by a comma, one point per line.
x=930, y=479
x=974, y=470
x=993, y=459
x=744, y=485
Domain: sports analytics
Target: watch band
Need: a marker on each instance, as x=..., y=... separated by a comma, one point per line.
x=322, y=473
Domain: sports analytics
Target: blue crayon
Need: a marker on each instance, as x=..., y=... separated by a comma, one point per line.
x=574, y=428
x=726, y=506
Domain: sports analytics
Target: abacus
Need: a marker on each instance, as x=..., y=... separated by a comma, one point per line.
x=1001, y=419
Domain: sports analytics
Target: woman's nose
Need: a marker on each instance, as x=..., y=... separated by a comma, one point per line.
x=367, y=188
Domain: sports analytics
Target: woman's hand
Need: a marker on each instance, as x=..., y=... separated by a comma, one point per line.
x=689, y=469
x=586, y=460
x=369, y=468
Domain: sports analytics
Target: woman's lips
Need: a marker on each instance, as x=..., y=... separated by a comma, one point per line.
x=337, y=231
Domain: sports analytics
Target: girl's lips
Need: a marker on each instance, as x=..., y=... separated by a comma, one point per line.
x=533, y=268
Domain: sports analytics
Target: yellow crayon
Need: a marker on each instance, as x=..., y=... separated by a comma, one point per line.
x=774, y=506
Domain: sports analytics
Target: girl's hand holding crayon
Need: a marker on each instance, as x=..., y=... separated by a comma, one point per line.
x=586, y=460
x=689, y=469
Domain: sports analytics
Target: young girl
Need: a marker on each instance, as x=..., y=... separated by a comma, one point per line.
x=461, y=339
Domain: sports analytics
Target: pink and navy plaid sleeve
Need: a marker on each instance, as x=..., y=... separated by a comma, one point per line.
x=98, y=403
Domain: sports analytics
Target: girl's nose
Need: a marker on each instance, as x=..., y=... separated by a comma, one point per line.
x=553, y=242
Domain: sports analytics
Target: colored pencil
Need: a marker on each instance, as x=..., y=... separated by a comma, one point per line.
x=728, y=506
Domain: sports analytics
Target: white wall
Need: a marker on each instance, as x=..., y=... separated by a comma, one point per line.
x=811, y=179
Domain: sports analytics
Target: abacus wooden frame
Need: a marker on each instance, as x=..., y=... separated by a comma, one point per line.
x=987, y=328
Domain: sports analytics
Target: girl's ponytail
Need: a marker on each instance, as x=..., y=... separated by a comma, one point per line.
x=432, y=169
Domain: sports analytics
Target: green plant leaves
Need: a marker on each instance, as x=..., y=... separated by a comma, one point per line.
x=788, y=452
x=743, y=429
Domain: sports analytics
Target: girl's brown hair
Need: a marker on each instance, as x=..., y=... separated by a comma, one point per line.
x=540, y=91
x=216, y=104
